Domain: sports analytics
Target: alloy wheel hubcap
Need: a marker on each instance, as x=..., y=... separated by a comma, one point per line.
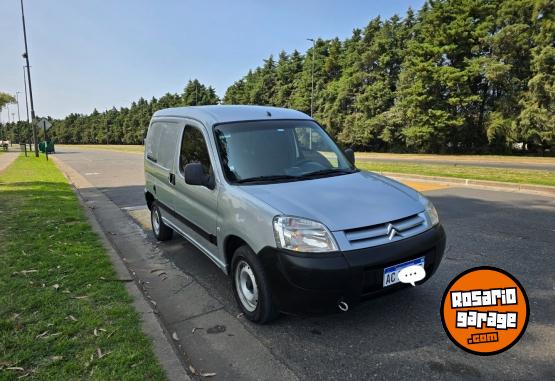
x=247, y=288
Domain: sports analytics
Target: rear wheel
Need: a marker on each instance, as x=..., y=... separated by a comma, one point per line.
x=250, y=287
x=161, y=231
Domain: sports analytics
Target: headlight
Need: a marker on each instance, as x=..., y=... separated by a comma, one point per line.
x=431, y=211
x=300, y=234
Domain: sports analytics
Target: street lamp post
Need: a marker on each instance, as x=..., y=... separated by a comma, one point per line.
x=311, y=90
x=312, y=75
x=26, y=56
x=13, y=129
x=26, y=105
x=17, y=101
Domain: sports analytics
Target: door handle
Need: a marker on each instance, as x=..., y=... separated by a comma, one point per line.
x=172, y=178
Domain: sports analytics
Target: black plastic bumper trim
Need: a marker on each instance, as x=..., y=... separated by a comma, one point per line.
x=306, y=283
x=197, y=229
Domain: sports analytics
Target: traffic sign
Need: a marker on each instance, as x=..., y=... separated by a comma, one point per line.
x=45, y=124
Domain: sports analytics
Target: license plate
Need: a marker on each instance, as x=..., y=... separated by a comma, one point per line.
x=391, y=273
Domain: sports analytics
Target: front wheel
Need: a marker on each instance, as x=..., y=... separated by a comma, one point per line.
x=161, y=231
x=250, y=287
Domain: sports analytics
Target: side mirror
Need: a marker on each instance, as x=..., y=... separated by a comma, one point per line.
x=350, y=155
x=194, y=175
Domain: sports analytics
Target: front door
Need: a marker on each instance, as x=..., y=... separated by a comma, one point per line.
x=196, y=206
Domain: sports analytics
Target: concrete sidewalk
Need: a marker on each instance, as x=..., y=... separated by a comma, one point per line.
x=190, y=328
x=6, y=159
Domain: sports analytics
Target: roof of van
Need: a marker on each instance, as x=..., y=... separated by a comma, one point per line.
x=210, y=115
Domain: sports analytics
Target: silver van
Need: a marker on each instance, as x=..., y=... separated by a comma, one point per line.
x=268, y=196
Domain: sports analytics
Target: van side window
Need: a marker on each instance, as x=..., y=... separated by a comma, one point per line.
x=166, y=147
x=153, y=139
x=160, y=143
x=194, y=149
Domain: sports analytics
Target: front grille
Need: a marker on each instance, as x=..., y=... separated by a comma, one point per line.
x=380, y=234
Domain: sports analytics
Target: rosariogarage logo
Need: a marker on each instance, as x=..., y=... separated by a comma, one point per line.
x=485, y=310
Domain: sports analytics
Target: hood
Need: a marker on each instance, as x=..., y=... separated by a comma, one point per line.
x=341, y=202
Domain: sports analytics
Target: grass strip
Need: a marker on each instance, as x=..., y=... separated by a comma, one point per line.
x=63, y=313
x=460, y=158
x=508, y=175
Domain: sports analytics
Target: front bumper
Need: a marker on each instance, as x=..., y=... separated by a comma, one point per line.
x=316, y=282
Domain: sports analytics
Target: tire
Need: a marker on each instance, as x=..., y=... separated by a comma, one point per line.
x=251, y=287
x=161, y=231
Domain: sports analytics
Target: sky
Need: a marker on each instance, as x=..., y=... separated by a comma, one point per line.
x=88, y=54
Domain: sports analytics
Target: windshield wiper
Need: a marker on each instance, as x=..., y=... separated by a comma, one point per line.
x=267, y=178
x=329, y=171
x=323, y=172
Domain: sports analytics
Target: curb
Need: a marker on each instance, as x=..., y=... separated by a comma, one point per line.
x=151, y=326
x=544, y=190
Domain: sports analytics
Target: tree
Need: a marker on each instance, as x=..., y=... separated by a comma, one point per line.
x=7, y=131
x=127, y=125
x=5, y=99
x=196, y=94
x=535, y=124
x=457, y=76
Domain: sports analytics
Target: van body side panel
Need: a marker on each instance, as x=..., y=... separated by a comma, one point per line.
x=160, y=154
x=150, y=179
x=246, y=217
x=163, y=149
x=152, y=170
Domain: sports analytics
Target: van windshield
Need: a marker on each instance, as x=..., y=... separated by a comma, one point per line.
x=277, y=151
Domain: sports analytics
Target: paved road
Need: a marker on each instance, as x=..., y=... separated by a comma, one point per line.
x=120, y=175
x=398, y=336
x=485, y=163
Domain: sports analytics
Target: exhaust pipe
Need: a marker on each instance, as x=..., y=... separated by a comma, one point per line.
x=343, y=306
